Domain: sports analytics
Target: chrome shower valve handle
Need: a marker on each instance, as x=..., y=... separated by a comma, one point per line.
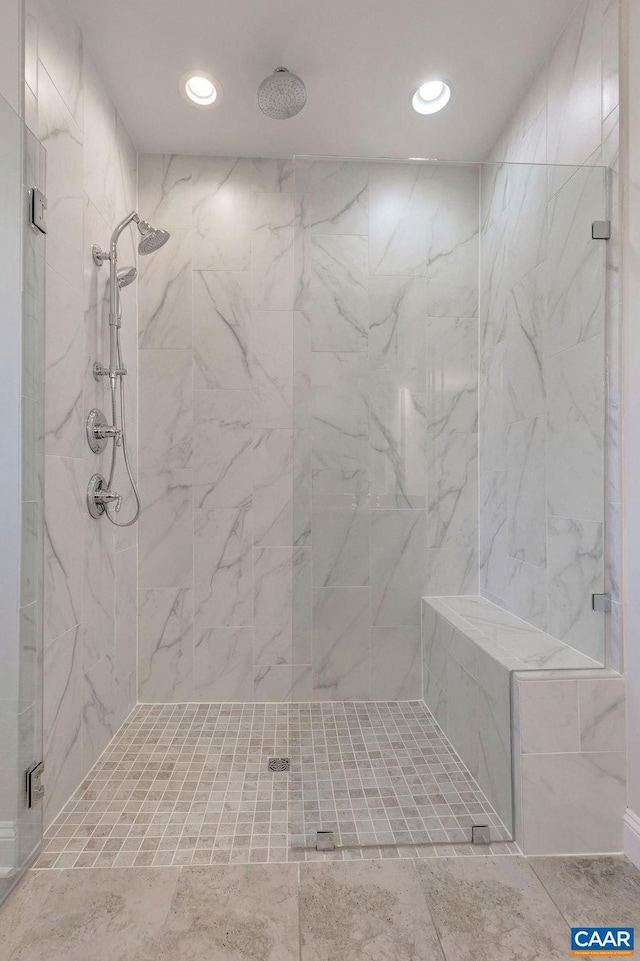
x=99, y=496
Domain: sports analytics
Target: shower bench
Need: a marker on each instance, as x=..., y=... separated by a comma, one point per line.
x=539, y=724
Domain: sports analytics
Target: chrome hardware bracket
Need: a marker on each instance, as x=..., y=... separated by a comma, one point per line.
x=34, y=788
x=601, y=603
x=325, y=841
x=38, y=207
x=601, y=230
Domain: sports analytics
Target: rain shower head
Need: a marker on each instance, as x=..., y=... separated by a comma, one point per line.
x=126, y=276
x=152, y=237
x=282, y=95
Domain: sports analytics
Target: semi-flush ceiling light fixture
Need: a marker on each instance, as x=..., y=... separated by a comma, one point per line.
x=431, y=96
x=200, y=88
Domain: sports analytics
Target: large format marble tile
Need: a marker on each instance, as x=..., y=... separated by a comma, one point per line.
x=575, y=448
x=397, y=333
x=64, y=346
x=235, y=911
x=398, y=442
x=222, y=448
x=166, y=409
x=396, y=662
x=526, y=313
x=60, y=49
x=223, y=665
x=221, y=329
x=62, y=713
x=272, y=605
x=341, y=643
x=272, y=252
x=62, y=139
x=165, y=529
x=165, y=190
x=549, y=720
x=526, y=594
x=492, y=410
x=126, y=634
x=273, y=488
x=223, y=568
x=575, y=572
x=302, y=609
x=451, y=572
x=165, y=295
x=576, y=263
x=492, y=908
x=99, y=142
x=340, y=410
x=98, y=591
x=333, y=196
x=114, y=913
x=527, y=490
x=603, y=890
x=397, y=220
x=338, y=294
x=222, y=220
x=98, y=709
x=452, y=374
x=272, y=368
x=165, y=644
x=398, y=545
x=574, y=89
x=376, y=911
x=494, y=569
x=452, y=197
x=63, y=545
x=340, y=550
x=452, y=490
x=602, y=715
x=573, y=803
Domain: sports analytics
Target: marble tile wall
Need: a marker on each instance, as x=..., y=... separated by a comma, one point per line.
x=569, y=763
x=90, y=569
x=308, y=395
x=549, y=457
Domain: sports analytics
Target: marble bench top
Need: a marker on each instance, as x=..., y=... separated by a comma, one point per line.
x=513, y=642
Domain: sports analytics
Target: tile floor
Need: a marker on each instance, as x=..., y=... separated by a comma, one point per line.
x=449, y=909
x=188, y=784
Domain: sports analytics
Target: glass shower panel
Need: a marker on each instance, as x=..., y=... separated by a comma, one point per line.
x=21, y=483
x=448, y=353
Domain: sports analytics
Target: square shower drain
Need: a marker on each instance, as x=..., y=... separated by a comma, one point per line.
x=279, y=764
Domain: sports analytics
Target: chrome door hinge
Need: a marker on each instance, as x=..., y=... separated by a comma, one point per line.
x=34, y=785
x=38, y=207
x=601, y=230
x=601, y=603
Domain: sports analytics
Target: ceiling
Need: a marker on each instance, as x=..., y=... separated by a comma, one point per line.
x=360, y=59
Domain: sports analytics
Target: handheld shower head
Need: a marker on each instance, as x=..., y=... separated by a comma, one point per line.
x=152, y=238
x=126, y=276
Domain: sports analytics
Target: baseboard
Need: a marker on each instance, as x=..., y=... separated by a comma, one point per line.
x=632, y=836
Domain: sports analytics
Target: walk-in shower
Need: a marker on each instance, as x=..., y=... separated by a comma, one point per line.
x=100, y=493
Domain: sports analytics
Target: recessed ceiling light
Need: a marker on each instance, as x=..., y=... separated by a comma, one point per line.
x=431, y=96
x=200, y=88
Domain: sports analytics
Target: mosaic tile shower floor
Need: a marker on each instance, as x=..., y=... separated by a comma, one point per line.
x=189, y=784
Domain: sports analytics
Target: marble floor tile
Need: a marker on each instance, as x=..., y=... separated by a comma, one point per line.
x=493, y=909
x=372, y=909
x=232, y=913
x=100, y=914
x=594, y=891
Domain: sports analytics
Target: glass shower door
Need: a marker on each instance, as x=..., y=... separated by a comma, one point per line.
x=21, y=494
x=449, y=439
